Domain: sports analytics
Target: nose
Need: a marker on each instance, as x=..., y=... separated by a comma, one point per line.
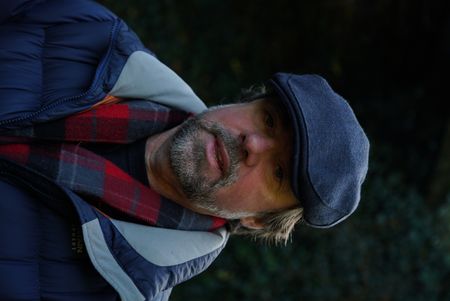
x=255, y=145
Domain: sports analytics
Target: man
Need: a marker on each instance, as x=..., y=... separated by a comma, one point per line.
x=117, y=182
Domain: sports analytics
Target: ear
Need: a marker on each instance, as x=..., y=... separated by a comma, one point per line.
x=252, y=222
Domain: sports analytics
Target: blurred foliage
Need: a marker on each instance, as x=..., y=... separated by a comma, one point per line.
x=389, y=59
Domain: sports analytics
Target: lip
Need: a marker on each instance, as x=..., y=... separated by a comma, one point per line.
x=215, y=149
x=222, y=152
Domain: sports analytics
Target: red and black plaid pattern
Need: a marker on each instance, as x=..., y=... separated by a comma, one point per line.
x=115, y=123
x=94, y=177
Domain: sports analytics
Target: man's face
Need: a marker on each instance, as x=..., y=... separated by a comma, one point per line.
x=233, y=161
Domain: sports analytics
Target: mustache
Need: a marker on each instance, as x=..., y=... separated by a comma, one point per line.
x=231, y=143
x=187, y=166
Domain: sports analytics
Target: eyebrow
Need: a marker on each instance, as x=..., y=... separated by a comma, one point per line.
x=280, y=112
x=280, y=115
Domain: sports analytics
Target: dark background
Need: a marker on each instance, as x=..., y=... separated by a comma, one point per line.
x=389, y=59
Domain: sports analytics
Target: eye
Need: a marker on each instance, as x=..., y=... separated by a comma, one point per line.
x=268, y=120
x=279, y=174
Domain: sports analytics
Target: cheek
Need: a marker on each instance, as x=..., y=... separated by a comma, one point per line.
x=247, y=194
x=231, y=118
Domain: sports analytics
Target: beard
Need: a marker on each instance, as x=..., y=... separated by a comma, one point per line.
x=188, y=160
